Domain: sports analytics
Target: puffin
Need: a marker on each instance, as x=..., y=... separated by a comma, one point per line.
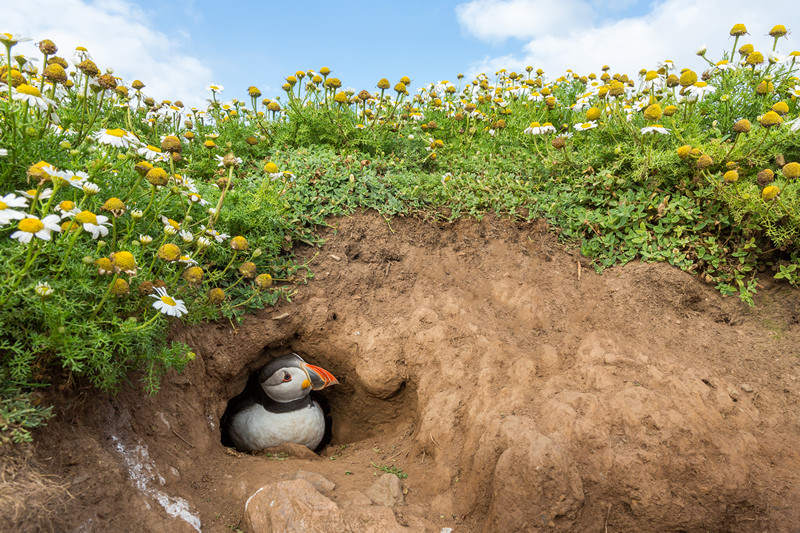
x=276, y=407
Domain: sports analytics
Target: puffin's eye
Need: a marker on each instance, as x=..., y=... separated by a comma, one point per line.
x=287, y=377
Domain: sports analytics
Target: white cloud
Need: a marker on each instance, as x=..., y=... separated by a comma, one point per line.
x=117, y=36
x=496, y=20
x=673, y=29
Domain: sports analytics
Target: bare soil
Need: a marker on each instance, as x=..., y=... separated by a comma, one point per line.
x=517, y=388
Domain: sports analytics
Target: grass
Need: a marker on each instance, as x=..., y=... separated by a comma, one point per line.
x=121, y=214
x=390, y=470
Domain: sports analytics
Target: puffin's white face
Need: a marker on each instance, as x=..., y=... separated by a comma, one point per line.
x=287, y=384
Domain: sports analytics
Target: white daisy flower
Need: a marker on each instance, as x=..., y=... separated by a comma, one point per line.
x=6, y=213
x=655, y=128
x=81, y=54
x=10, y=39
x=215, y=88
x=167, y=305
x=699, y=90
x=116, y=137
x=90, y=189
x=197, y=199
x=67, y=209
x=214, y=234
x=186, y=183
x=152, y=153
x=31, y=226
x=97, y=225
x=585, y=126
x=794, y=124
x=186, y=236
x=31, y=95
x=43, y=289
x=31, y=193
x=76, y=179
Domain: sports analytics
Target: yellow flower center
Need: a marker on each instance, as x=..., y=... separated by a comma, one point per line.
x=116, y=132
x=125, y=261
x=153, y=148
x=31, y=225
x=67, y=205
x=86, y=217
x=3, y=205
x=24, y=88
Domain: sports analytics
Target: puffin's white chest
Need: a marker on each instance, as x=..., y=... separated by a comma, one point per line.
x=255, y=428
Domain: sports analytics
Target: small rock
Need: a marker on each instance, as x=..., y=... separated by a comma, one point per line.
x=319, y=481
x=733, y=393
x=354, y=497
x=294, y=506
x=746, y=387
x=388, y=490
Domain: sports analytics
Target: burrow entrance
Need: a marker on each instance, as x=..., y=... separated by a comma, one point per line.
x=352, y=414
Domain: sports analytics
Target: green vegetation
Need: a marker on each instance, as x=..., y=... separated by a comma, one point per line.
x=390, y=470
x=120, y=215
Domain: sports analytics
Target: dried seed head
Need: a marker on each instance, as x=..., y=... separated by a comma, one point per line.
x=770, y=119
x=653, y=113
x=778, y=30
x=216, y=295
x=770, y=192
x=742, y=126
x=248, y=270
x=704, y=161
x=107, y=81
x=171, y=144
x=120, y=288
x=765, y=177
x=169, y=252
x=88, y=67
x=193, y=275
x=791, y=170
x=263, y=281
x=239, y=243
x=157, y=176
x=738, y=30
x=730, y=176
x=55, y=73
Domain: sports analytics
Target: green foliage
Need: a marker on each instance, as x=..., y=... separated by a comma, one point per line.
x=390, y=470
x=19, y=412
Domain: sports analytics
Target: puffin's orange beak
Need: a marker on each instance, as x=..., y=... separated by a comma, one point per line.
x=320, y=378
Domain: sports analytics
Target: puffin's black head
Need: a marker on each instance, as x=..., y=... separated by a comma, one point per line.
x=289, y=378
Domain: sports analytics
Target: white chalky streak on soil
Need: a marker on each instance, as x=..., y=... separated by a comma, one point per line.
x=142, y=471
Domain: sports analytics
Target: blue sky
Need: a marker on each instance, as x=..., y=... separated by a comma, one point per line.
x=178, y=48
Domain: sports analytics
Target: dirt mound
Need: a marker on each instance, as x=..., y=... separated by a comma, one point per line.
x=516, y=388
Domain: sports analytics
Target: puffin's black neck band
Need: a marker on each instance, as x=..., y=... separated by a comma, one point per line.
x=278, y=407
